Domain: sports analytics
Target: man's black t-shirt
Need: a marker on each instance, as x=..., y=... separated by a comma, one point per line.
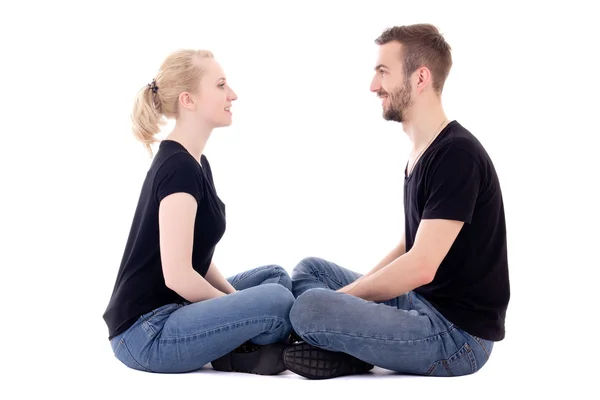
x=455, y=179
x=140, y=286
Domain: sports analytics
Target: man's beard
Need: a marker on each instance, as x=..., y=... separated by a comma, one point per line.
x=399, y=101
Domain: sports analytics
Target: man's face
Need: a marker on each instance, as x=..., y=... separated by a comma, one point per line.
x=391, y=84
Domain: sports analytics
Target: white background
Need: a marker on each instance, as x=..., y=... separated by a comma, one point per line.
x=309, y=168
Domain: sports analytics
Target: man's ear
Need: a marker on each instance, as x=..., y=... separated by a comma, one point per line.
x=423, y=79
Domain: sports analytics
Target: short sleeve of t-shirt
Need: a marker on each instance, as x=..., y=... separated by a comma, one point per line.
x=179, y=173
x=453, y=187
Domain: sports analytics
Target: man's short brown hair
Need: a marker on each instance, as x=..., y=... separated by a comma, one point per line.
x=422, y=45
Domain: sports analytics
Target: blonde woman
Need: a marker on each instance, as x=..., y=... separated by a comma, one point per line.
x=171, y=310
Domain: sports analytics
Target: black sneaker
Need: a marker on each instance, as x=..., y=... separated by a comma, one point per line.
x=314, y=363
x=253, y=359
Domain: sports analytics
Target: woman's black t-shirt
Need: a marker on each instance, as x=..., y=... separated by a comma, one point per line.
x=140, y=285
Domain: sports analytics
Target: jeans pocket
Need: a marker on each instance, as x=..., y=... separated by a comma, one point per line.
x=486, y=346
x=153, y=322
x=460, y=363
x=123, y=354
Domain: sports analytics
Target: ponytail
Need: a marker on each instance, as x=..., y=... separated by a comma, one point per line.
x=147, y=116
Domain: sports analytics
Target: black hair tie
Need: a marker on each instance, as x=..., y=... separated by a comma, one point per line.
x=153, y=86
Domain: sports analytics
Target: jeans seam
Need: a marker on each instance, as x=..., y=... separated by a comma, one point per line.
x=236, y=324
x=254, y=272
x=317, y=272
x=330, y=278
x=424, y=339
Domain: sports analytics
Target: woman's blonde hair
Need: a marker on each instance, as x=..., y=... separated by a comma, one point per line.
x=158, y=101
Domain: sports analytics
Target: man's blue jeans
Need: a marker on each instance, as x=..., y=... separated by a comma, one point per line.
x=405, y=334
x=185, y=337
